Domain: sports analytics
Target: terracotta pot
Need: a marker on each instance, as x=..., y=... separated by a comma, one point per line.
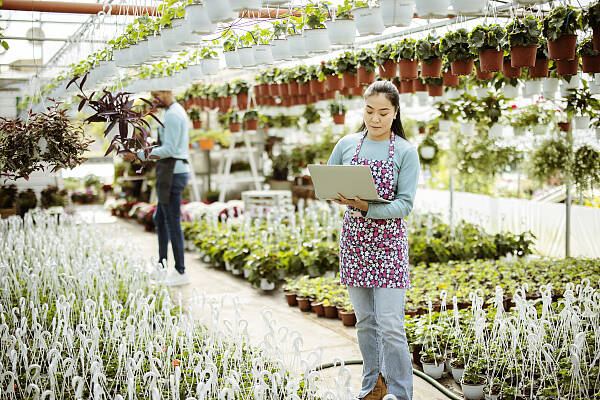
x=330, y=311
x=197, y=124
x=242, y=101
x=563, y=48
x=339, y=119
x=388, y=70
x=491, y=60
x=227, y=102
x=206, y=144
x=462, y=67
x=317, y=87
x=274, y=89
x=365, y=77
x=313, y=98
x=596, y=32
x=198, y=101
x=251, y=124
x=345, y=91
x=334, y=82
x=348, y=318
x=303, y=304
x=235, y=126
x=259, y=90
x=419, y=86
x=591, y=64
x=397, y=84
x=287, y=101
x=350, y=80
x=293, y=88
x=523, y=56
x=435, y=91
x=317, y=308
x=450, y=79
x=567, y=67
x=291, y=299
x=284, y=89
x=432, y=69
x=509, y=71
x=329, y=95
x=407, y=86
x=303, y=88
x=409, y=69
x=540, y=70
x=356, y=91
x=483, y=75
x=302, y=99
x=564, y=126
x=339, y=312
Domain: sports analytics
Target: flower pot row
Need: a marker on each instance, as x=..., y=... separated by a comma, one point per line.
x=305, y=304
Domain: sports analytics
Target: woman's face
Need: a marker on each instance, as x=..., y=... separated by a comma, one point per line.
x=378, y=116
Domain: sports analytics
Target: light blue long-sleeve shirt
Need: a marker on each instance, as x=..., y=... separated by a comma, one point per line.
x=174, y=138
x=406, y=170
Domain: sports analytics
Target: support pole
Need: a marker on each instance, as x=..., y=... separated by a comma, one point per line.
x=568, y=222
x=76, y=8
x=451, y=203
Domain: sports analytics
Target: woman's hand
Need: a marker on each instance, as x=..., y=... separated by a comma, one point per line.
x=356, y=203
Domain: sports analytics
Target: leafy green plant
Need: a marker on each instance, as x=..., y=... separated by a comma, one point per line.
x=251, y=115
x=562, y=20
x=366, y=60
x=336, y=108
x=455, y=46
x=194, y=113
x=384, y=52
x=231, y=41
x=347, y=62
x=590, y=17
x=523, y=31
x=428, y=49
x=281, y=29
x=316, y=15
x=345, y=10
x=448, y=110
x=207, y=52
x=586, y=166
x=311, y=114
x=405, y=49
x=586, y=47
x=239, y=86
x=581, y=102
x=551, y=159
x=484, y=37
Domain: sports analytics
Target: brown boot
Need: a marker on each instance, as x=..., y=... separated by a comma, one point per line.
x=379, y=391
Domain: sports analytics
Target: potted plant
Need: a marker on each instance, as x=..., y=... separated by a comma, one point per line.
x=245, y=49
x=457, y=366
x=279, y=177
x=8, y=204
x=508, y=70
x=384, y=56
x=455, y=47
x=428, y=151
x=342, y=29
x=338, y=112
x=251, y=120
x=559, y=27
x=280, y=46
x=26, y=201
x=397, y=12
x=316, y=83
x=582, y=105
x=233, y=120
x=590, y=17
x=407, y=62
x=428, y=52
x=435, y=86
x=316, y=37
x=472, y=383
x=195, y=116
x=209, y=60
x=590, y=58
x=366, y=69
x=232, y=58
x=540, y=69
x=523, y=36
x=433, y=362
x=369, y=20
x=482, y=75
x=432, y=8
x=239, y=88
x=586, y=166
x=450, y=80
x=346, y=312
x=489, y=42
x=262, y=47
x=346, y=65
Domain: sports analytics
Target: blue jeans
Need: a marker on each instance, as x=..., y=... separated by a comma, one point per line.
x=167, y=220
x=382, y=340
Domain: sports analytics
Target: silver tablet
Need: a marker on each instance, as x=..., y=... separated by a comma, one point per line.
x=349, y=180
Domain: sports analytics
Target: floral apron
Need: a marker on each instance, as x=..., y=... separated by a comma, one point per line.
x=374, y=252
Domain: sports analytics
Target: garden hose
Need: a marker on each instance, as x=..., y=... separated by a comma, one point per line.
x=445, y=391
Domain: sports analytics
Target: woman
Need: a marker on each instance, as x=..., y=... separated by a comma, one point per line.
x=373, y=242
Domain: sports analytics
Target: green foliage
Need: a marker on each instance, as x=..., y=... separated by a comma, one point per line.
x=448, y=110
x=428, y=49
x=347, y=62
x=311, y=114
x=586, y=167
x=429, y=142
x=581, y=102
x=345, y=11
x=206, y=52
x=405, y=49
x=590, y=17
x=485, y=37
x=231, y=41
x=239, y=86
x=523, y=31
x=586, y=47
x=251, y=115
x=455, y=47
x=336, y=108
x=562, y=20
x=366, y=59
x=384, y=52
x=194, y=113
x=281, y=29
x=551, y=160
x=316, y=15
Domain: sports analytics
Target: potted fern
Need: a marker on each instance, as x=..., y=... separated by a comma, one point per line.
x=455, y=46
x=488, y=42
x=338, y=112
x=342, y=28
x=428, y=52
x=559, y=27
x=523, y=36
x=407, y=62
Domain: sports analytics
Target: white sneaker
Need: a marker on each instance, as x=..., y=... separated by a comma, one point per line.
x=159, y=272
x=176, y=279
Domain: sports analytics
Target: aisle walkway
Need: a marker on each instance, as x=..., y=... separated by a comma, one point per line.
x=335, y=340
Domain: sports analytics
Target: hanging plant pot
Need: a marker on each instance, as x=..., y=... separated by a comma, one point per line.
x=369, y=21
x=407, y=86
x=510, y=91
x=550, y=86
x=540, y=70
x=564, y=126
x=266, y=285
x=397, y=12
x=473, y=391
x=567, y=67
x=491, y=60
x=532, y=88
x=462, y=67
x=409, y=69
x=469, y=6
x=467, y=128
x=262, y=54
x=293, y=88
x=251, y=124
x=334, y=82
x=210, y=66
x=206, y=144
x=242, y=101
x=341, y=31
x=297, y=46
x=590, y=64
x=350, y=80
x=419, y=85
x=232, y=59
x=365, y=77
x=304, y=88
x=235, y=126
x=219, y=11
x=432, y=8
x=198, y=20
x=339, y=119
x=226, y=103
x=509, y=71
x=197, y=124
x=496, y=131
x=317, y=87
x=431, y=69
x=241, y=5
x=356, y=91
x=388, y=70
x=433, y=370
x=273, y=89
x=523, y=56
x=596, y=33
x=195, y=72
x=450, y=79
x=316, y=40
x=284, y=89
x=582, y=122
x=445, y=125
x=435, y=91
x=280, y=49
x=169, y=39
x=155, y=47
x=563, y=48
x=246, y=55
x=483, y=75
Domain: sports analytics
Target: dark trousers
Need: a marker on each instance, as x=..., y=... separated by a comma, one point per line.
x=167, y=219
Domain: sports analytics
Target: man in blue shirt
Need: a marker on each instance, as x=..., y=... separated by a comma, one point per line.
x=172, y=174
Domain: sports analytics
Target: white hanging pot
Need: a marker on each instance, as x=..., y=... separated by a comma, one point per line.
x=510, y=91
x=472, y=391
x=246, y=55
x=155, y=46
x=445, y=125
x=457, y=374
x=195, y=72
x=467, y=128
x=266, y=285
x=369, y=21
x=219, y=11
x=451, y=93
x=210, y=66
x=530, y=2
x=120, y=57
x=280, y=49
x=423, y=98
x=241, y=5
x=232, y=59
x=247, y=273
x=262, y=54
x=341, y=31
x=582, y=122
x=432, y=8
x=169, y=39
x=397, y=12
x=549, y=87
x=316, y=40
x=198, y=21
x=572, y=84
x=482, y=92
x=297, y=46
x=532, y=88
x=427, y=152
x=539, y=130
x=434, y=370
x=519, y=131
x=469, y=6
x=496, y=131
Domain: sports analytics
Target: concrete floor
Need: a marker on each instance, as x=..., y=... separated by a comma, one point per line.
x=318, y=334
